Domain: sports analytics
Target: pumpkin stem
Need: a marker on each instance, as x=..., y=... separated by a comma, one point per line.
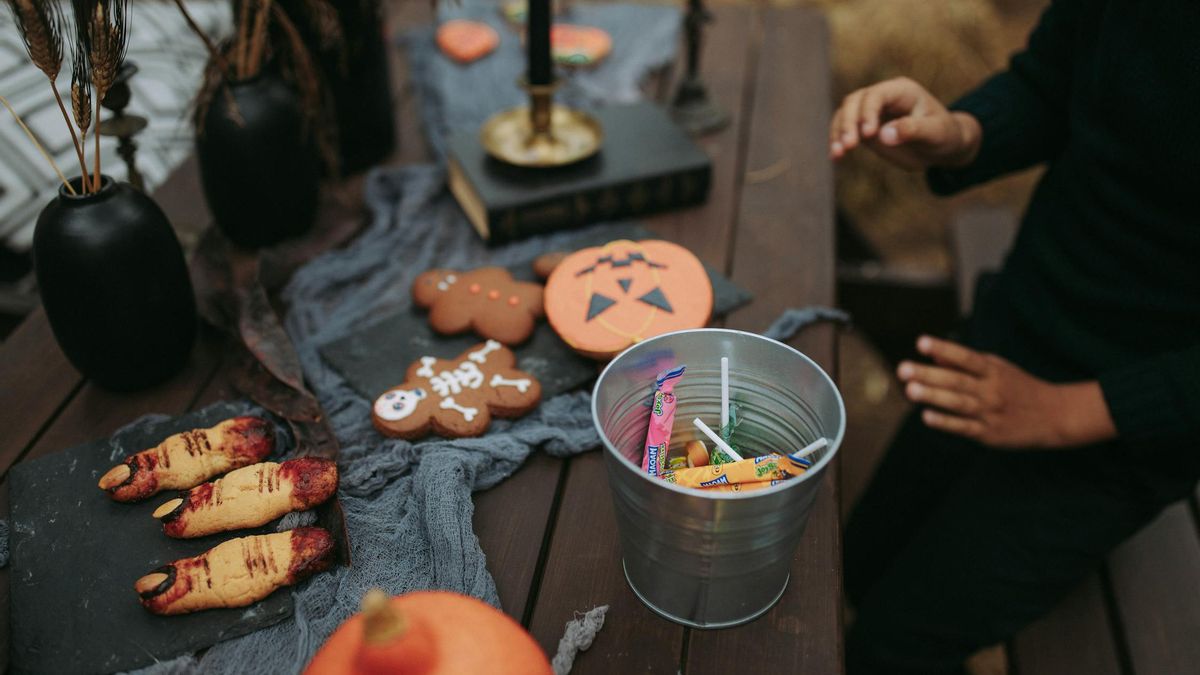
x=383, y=622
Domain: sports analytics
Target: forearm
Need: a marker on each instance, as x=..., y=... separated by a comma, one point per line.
x=1156, y=401
x=970, y=137
x=1022, y=112
x=1082, y=416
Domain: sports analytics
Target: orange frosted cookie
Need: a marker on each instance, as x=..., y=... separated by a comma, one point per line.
x=466, y=41
x=601, y=300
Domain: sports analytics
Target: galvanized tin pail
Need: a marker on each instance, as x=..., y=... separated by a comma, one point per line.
x=714, y=560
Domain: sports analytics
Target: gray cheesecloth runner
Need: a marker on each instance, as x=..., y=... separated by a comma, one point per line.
x=408, y=506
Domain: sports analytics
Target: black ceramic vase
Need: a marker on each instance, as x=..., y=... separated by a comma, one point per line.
x=258, y=165
x=115, y=285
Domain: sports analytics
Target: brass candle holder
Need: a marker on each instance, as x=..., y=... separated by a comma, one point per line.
x=542, y=134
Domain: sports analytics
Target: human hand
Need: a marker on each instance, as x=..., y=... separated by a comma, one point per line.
x=904, y=123
x=986, y=398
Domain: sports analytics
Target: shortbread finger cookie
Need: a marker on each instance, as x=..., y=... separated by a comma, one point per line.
x=190, y=458
x=238, y=572
x=248, y=497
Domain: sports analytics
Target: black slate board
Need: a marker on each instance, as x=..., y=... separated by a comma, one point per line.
x=377, y=357
x=76, y=554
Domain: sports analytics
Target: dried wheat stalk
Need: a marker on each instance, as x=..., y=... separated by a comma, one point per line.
x=81, y=100
x=258, y=38
x=214, y=53
x=242, y=39
x=107, y=39
x=40, y=25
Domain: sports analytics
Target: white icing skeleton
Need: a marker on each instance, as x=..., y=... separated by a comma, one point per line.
x=480, y=355
x=426, y=369
x=522, y=385
x=449, y=404
x=460, y=385
x=466, y=376
x=398, y=403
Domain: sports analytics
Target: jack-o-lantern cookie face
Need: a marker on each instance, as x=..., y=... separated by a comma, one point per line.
x=456, y=397
x=601, y=300
x=487, y=300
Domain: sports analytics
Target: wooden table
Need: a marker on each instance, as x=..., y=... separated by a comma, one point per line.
x=548, y=531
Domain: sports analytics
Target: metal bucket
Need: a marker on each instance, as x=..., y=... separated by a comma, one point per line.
x=714, y=560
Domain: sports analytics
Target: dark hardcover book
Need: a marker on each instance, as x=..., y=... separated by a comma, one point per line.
x=646, y=164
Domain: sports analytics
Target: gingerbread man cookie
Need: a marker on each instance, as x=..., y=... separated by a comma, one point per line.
x=457, y=397
x=487, y=300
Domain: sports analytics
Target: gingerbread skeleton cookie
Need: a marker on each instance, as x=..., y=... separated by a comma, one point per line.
x=487, y=300
x=457, y=397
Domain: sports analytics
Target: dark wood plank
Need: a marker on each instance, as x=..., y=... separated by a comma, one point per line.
x=1077, y=637
x=724, y=65
x=1156, y=583
x=783, y=242
x=583, y=567
x=95, y=413
x=783, y=253
x=584, y=570
x=37, y=382
x=511, y=521
x=403, y=15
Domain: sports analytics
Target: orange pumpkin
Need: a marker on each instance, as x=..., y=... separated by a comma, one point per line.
x=428, y=633
x=601, y=300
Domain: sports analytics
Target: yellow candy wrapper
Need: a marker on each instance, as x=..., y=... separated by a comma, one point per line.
x=752, y=470
x=742, y=487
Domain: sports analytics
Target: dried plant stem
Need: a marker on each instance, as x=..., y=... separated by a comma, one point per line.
x=259, y=37
x=71, y=127
x=242, y=46
x=215, y=53
x=38, y=145
x=96, y=159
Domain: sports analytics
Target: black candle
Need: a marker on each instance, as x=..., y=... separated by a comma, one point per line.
x=537, y=37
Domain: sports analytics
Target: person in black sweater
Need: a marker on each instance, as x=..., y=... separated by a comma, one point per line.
x=1069, y=414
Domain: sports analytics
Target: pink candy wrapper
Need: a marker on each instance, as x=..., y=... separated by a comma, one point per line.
x=662, y=418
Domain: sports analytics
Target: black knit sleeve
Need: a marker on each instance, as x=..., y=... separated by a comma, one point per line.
x=1157, y=400
x=1022, y=110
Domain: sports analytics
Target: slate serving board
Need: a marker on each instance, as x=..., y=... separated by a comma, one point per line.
x=76, y=554
x=377, y=357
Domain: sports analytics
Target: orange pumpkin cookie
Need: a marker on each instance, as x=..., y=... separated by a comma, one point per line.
x=487, y=301
x=466, y=41
x=579, y=45
x=601, y=300
x=457, y=397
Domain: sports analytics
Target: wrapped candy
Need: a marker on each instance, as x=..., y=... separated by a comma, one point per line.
x=662, y=417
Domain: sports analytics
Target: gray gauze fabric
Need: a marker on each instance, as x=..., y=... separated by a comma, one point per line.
x=408, y=505
x=460, y=97
x=577, y=637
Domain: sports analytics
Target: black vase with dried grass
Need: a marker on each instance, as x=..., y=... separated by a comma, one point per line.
x=261, y=127
x=347, y=41
x=111, y=273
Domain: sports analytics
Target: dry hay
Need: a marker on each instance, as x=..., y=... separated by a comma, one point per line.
x=947, y=45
